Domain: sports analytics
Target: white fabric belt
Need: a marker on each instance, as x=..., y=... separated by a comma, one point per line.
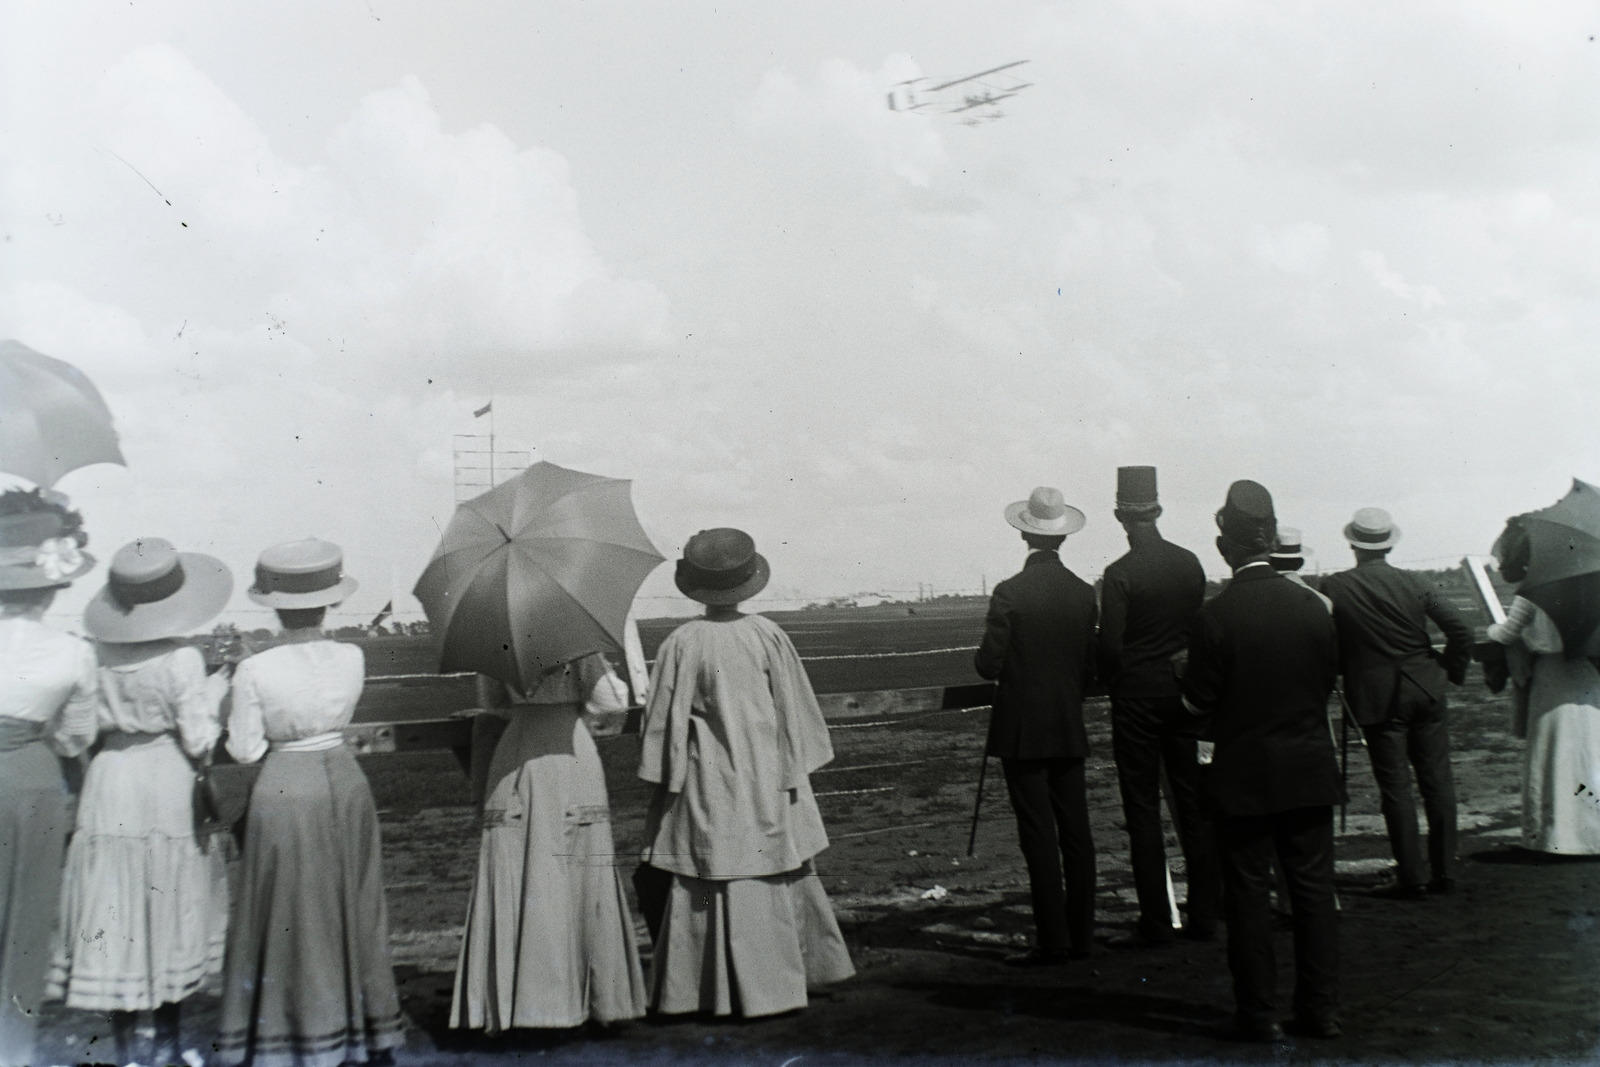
x=314, y=743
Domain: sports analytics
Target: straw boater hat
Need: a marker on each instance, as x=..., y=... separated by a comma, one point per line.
x=301, y=574
x=41, y=541
x=1045, y=513
x=1289, y=546
x=1136, y=491
x=1246, y=518
x=1371, y=528
x=155, y=591
x=721, y=567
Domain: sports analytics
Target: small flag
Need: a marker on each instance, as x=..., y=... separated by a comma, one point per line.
x=388, y=609
x=481, y=412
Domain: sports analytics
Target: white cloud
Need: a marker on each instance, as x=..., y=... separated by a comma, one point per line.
x=1299, y=248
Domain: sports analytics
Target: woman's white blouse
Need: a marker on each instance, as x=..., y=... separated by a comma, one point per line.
x=1530, y=624
x=154, y=690
x=293, y=692
x=48, y=677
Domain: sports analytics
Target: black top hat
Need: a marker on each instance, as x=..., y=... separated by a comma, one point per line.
x=1136, y=489
x=1247, y=518
x=721, y=567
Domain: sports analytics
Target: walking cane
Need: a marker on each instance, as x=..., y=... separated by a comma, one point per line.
x=977, y=805
x=1344, y=764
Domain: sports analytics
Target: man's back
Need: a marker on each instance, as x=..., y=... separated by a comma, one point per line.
x=1038, y=644
x=1262, y=663
x=1382, y=616
x=1149, y=598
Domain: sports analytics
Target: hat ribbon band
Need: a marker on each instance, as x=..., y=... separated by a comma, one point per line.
x=57, y=557
x=731, y=578
x=270, y=581
x=131, y=594
x=1368, y=536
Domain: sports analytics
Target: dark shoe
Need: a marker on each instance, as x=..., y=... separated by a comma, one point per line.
x=1138, y=940
x=1237, y=1030
x=1199, y=932
x=1442, y=885
x=1325, y=1029
x=1040, y=957
x=1399, y=891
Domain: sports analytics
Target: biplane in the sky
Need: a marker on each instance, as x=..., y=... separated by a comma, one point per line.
x=975, y=98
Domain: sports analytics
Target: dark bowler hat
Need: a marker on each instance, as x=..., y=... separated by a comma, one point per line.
x=41, y=541
x=1246, y=518
x=301, y=574
x=721, y=567
x=1136, y=489
x=1371, y=528
x=155, y=591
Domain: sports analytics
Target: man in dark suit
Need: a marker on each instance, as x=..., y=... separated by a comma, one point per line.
x=1149, y=598
x=1039, y=644
x=1395, y=685
x=1261, y=664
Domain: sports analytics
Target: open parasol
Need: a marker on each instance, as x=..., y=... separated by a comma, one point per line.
x=52, y=419
x=535, y=573
x=1564, y=566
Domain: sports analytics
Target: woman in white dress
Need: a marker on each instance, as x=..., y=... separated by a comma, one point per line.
x=732, y=733
x=549, y=937
x=47, y=707
x=1557, y=708
x=308, y=980
x=144, y=904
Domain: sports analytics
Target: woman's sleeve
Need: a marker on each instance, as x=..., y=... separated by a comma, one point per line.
x=199, y=699
x=664, y=734
x=804, y=733
x=606, y=693
x=75, y=723
x=247, y=739
x=1517, y=619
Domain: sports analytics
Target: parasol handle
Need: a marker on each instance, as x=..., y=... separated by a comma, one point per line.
x=1480, y=578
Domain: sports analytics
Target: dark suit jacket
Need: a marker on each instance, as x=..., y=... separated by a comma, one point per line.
x=1039, y=644
x=1262, y=661
x=1382, y=614
x=1146, y=605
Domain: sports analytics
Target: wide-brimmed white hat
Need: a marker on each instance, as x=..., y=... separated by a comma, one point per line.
x=154, y=591
x=302, y=574
x=1288, y=545
x=1371, y=528
x=1045, y=512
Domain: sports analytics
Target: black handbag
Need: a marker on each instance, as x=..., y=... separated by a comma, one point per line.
x=209, y=818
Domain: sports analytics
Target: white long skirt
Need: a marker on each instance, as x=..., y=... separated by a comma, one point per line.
x=746, y=946
x=144, y=908
x=1561, y=780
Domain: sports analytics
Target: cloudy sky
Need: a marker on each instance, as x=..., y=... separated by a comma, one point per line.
x=1351, y=251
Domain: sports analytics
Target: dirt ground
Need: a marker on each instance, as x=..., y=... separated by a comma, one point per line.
x=1504, y=970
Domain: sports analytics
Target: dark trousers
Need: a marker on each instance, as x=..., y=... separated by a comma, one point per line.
x=1302, y=842
x=1416, y=737
x=1145, y=734
x=1053, y=826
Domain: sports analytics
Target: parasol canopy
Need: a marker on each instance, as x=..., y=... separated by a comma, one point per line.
x=535, y=573
x=1564, y=566
x=52, y=419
